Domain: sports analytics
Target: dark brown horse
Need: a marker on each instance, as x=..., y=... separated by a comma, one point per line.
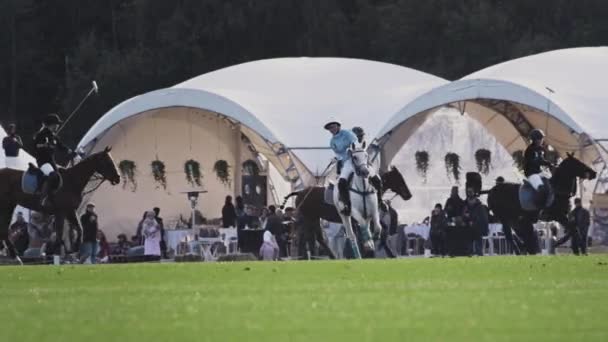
x=66, y=201
x=311, y=207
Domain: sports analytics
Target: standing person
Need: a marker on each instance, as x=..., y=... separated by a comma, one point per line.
x=89, y=222
x=46, y=143
x=228, y=213
x=577, y=228
x=475, y=216
x=454, y=205
x=104, y=247
x=151, y=233
x=18, y=234
x=439, y=222
x=161, y=225
x=12, y=144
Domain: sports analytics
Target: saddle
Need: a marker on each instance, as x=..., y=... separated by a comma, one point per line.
x=530, y=199
x=33, y=178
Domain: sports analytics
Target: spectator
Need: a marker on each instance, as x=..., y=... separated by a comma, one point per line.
x=139, y=236
x=12, y=144
x=104, y=247
x=269, y=250
x=475, y=217
x=577, y=228
x=454, y=205
x=89, y=222
x=241, y=215
x=161, y=224
x=19, y=235
x=151, y=233
x=228, y=213
x=439, y=223
x=500, y=180
x=36, y=230
x=274, y=225
x=264, y=217
x=123, y=245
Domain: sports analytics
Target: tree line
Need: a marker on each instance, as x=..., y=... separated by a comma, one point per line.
x=50, y=50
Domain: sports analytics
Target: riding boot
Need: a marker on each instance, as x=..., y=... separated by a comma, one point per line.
x=540, y=198
x=344, y=195
x=377, y=184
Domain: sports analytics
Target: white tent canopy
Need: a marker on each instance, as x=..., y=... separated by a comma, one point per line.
x=513, y=97
x=283, y=103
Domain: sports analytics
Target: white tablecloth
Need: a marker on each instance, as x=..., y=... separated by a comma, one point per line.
x=421, y=230
x=174, y=237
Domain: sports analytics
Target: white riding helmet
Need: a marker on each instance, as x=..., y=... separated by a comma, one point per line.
x=332, y=120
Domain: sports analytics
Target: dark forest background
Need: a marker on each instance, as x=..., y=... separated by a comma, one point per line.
x=50, y=50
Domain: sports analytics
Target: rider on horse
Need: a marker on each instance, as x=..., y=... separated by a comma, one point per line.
x=534, y=159
x=340, y=142
x=46, y=143
x=374, y=178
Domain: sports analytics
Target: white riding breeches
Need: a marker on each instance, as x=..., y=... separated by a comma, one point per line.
x=347, y=169
x=536, y=180
x=47, y=169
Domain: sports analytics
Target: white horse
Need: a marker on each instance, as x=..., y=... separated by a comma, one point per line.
x=364, y=202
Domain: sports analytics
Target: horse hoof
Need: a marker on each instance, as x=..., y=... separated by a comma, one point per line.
x=369, y=246
x=18, y=259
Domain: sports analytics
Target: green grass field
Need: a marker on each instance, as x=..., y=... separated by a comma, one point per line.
x=462, y=299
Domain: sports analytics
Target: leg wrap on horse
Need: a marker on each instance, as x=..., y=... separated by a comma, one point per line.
x=344, y=193
x=376, y=182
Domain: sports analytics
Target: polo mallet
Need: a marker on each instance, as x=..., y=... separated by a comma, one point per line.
x=94, y=89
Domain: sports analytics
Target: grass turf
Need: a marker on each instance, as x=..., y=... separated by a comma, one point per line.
x=461, y=299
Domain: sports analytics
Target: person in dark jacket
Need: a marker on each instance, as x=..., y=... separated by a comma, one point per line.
x=577, y=228
x=18, y=234
x=454, y=205
x=475, y=217
x=12, y=143
x=274, y=224
x=439, y=222
x=89, y=222
x=228, y=213
x=46, y=143
x=534, y=160
x=161, y=224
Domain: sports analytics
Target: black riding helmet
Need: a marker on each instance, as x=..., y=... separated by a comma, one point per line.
x=537, y=134
x=52, y=119
x=358, y=131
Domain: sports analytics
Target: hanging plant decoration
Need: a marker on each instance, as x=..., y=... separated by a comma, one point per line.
x=452, y=165
x=222, y=170
x=422, y=163
x=127, y=170
x=250, y=167
x=483, y=158
x=192, y=168
x=158, y=171
x=518, y=159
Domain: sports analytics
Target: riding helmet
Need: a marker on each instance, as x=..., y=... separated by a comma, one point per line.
x=537, y=134
x=52, y=119
x=332, y=121
x=358, y=131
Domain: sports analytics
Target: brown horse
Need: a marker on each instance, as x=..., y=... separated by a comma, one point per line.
x=66, y=201
x=311, y=207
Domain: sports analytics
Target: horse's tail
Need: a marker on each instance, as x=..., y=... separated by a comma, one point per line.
x=295, y=193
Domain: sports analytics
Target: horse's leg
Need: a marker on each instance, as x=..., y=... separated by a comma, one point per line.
x=75, y=224
x=529, y=236
x=506, y=230
x=59, y=223
x=322, y=240
x=6, y=214
x=350, y=234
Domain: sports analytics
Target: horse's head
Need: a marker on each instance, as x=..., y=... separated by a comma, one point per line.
x=104, y=165
x=393, y=180
x=359, y=158
x=576, y=168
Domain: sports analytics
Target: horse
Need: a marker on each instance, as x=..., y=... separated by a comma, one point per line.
x=311, y=207
x=504, y=201
x=67, y=199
